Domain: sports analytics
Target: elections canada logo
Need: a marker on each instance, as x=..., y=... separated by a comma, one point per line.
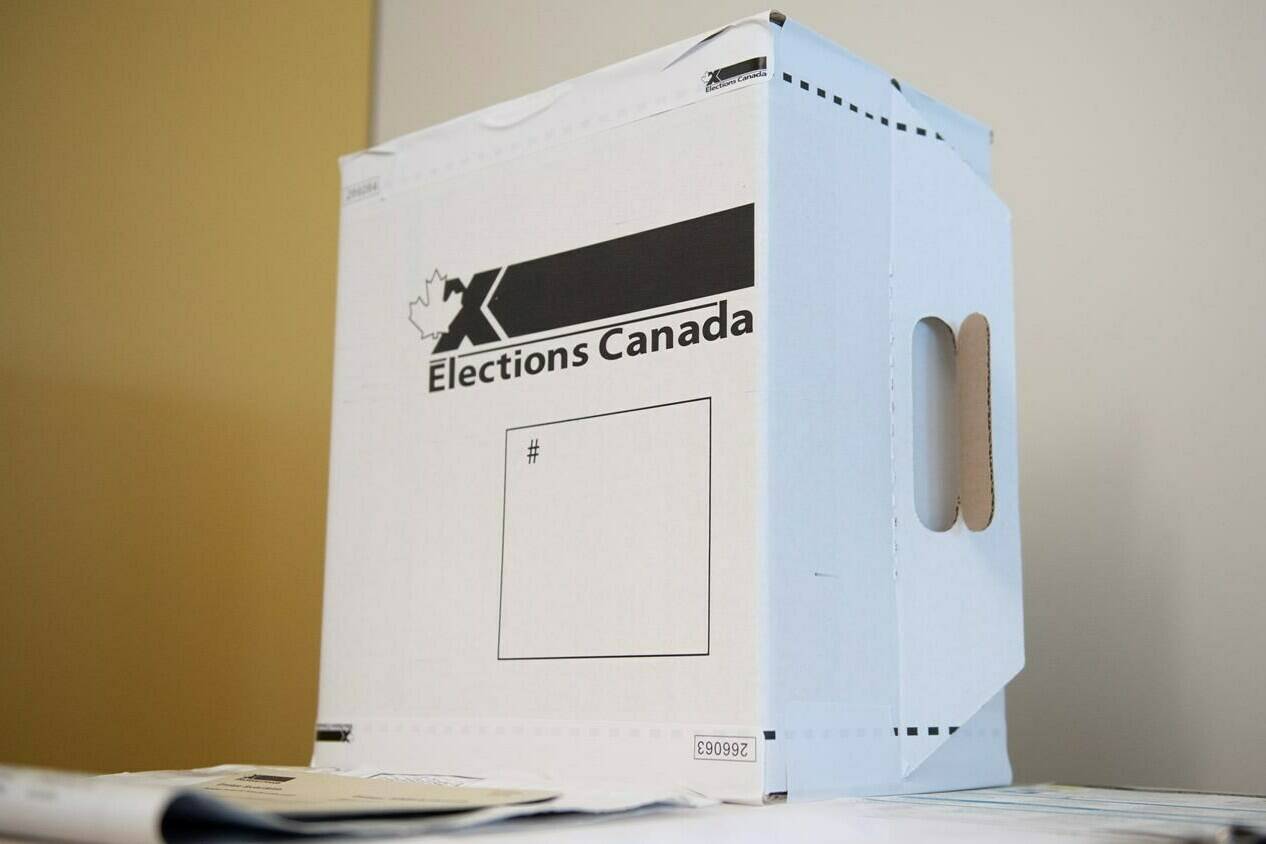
x=642, y=293
x=724, y=77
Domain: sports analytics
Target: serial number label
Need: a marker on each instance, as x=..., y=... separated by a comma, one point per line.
x=361, y=190
x=726, y=748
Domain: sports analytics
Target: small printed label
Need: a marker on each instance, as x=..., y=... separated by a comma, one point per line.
x=724, y=77
x=726, y=748
x=361, y=190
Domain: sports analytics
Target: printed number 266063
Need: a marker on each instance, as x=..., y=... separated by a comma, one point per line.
x=726, y=748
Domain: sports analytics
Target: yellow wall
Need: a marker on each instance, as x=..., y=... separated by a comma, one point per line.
x=168, y=236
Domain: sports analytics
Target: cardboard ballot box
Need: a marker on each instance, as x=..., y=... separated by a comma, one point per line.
x=674, y=435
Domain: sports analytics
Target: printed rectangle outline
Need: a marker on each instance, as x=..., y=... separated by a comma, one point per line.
x=505, y=473
x=695, y=743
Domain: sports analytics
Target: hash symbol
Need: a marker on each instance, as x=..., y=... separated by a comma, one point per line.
x=533, y=450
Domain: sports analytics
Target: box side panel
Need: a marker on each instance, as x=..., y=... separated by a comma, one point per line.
x=887, y=638
x=543, y=552
x=834, y=660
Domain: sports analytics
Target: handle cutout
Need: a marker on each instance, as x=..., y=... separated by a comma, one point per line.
x=936, y=449
x=950, y=412
x=975, y=456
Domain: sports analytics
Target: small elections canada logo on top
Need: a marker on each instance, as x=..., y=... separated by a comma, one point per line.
x=723, y=77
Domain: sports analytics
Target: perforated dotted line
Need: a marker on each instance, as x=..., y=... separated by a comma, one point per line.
x=770, y=735
x=931, y=731
x=822, y=93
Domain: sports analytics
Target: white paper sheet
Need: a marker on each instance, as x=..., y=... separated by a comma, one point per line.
x=70, y=807
x=165, y=805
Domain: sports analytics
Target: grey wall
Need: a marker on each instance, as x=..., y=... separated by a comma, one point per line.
x=1128, y=144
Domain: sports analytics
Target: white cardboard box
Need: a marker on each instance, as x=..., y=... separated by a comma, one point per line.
x=635, y=421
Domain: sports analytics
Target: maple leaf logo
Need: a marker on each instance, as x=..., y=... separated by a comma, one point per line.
x=437, y=277
x=431, y=322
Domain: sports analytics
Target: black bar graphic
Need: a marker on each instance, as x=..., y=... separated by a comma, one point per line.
x=738, y=69
x=692, y=259
x=334, y=732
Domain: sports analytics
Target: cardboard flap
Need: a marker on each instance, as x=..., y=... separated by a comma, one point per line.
x=960, y=630
x=759, y=20
x=693, y=69
x=970, y=139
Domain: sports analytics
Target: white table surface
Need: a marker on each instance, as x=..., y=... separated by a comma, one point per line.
x=131, y=805
x=1038, y=813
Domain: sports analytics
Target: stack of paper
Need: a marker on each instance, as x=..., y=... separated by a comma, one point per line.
x=241, y=803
